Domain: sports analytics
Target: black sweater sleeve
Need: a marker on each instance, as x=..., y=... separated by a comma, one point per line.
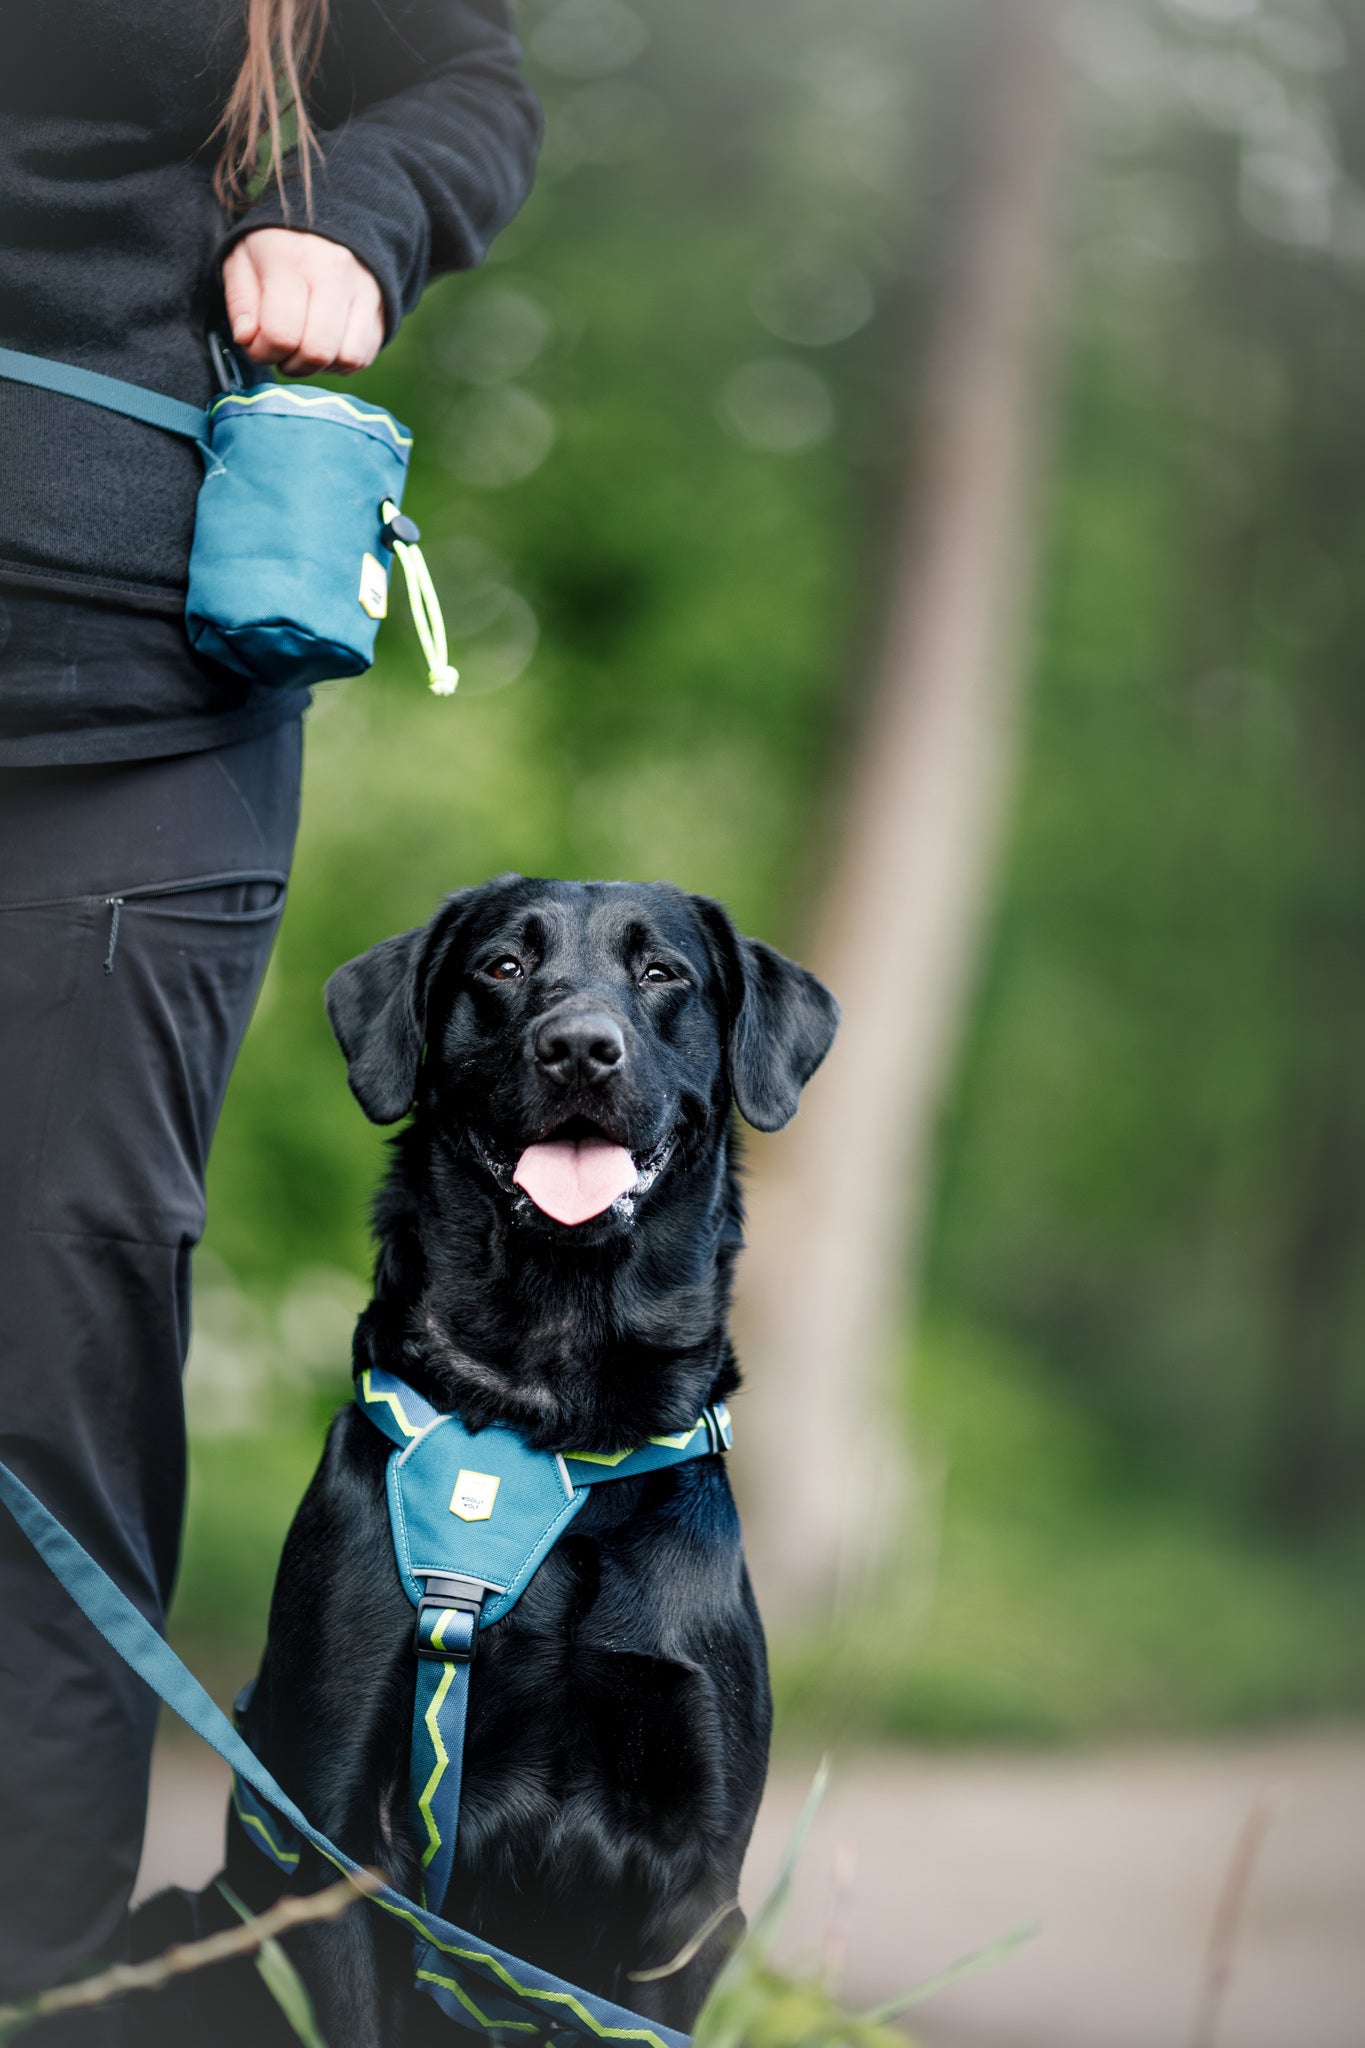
x=429, y=134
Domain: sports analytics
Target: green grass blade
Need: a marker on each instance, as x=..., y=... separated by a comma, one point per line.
x=767, y=1921
x=281, y=1980
x=966, y=1966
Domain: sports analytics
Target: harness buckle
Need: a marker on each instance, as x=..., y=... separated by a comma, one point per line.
x=718, y=1430
x=447, y=1627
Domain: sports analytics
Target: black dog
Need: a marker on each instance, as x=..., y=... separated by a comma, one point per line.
x=556, y=1242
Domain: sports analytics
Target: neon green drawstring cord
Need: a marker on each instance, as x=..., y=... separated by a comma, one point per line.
x=426, y=605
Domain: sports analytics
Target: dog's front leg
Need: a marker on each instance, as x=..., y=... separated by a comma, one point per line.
x=322, y=1717
x=357, y=1970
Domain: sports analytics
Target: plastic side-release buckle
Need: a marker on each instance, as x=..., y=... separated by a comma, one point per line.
x=448, y=1613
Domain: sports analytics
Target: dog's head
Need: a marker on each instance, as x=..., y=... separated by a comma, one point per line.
x=584, y=1040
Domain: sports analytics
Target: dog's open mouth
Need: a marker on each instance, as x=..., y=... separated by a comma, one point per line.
x=575, y=1177
x=578, y=1171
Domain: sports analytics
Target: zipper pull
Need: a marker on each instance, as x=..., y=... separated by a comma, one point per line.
x=114, y=904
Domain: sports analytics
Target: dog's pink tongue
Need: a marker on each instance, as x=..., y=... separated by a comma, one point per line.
x=572, y=1179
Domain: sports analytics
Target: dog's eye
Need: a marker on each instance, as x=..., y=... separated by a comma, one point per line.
x=508, y=968
x=656, y=971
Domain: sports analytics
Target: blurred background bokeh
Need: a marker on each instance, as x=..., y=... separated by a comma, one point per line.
x=962, y=397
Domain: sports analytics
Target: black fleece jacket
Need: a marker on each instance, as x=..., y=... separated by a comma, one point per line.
x=111, y=237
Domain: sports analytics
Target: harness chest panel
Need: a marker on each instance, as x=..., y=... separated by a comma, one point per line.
x=480, y=1505
x=476, y=1507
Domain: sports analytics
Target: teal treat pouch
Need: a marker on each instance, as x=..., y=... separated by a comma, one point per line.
x=289, y=570
x=295, y=532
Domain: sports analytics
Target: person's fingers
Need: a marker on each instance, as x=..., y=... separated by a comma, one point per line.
x=329, y=303
x=241, y=293
x=283, y=314
x=364, y=332
x=302, y=301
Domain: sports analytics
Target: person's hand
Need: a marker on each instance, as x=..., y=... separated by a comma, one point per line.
x=302, y=302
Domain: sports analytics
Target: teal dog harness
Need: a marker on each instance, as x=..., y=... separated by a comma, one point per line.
x=473, y=1516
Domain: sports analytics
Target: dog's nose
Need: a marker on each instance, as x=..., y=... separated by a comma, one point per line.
x=579, y=1051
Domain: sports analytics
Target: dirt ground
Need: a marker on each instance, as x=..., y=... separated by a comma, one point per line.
x=1118, y=1856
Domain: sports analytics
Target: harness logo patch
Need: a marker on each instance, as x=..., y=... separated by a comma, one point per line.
x=474, y=1495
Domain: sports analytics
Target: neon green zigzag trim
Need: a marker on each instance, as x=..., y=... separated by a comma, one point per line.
x=442, y=1756
x=500, y=2026
x=669, y=1443
x=288, y=1859
x=392, y=1401
x=307, y=398
x=466, y=1955
x=475, y=1955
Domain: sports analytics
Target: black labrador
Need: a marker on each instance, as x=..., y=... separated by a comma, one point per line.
x=556, y=1241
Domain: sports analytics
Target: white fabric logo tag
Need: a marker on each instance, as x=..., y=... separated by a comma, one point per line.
x=474, y=1495
x=374, y=588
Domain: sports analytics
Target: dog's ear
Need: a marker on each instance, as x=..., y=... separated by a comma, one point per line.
x=377, y=1006
x=375, y=1009
x=782, y=1021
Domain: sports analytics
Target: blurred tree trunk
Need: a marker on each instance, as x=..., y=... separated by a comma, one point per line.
x=1310, y=1460
x=1311, y=1443
x=837, y=1203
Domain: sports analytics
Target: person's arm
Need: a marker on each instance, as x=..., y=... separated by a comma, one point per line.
x=429, y=135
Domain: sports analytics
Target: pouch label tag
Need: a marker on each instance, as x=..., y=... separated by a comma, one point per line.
x=474, y=1495
x=374, y=588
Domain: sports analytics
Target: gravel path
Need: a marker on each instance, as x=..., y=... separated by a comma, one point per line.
x=1118, y=1855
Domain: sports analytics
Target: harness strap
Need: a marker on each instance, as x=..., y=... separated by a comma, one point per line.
x=447, y=1627
x=153, y=408
x=397, y=1410
x=710, y=1434
x=470, y=1979
x=403, y=1415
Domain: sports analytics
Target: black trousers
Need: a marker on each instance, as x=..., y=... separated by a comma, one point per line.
x=138, y=905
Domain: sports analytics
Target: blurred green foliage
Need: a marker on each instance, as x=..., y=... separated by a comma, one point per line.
x=1066, y=1584
x=658, y=440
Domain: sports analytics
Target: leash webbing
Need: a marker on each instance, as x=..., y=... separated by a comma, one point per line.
x=468, y=1977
